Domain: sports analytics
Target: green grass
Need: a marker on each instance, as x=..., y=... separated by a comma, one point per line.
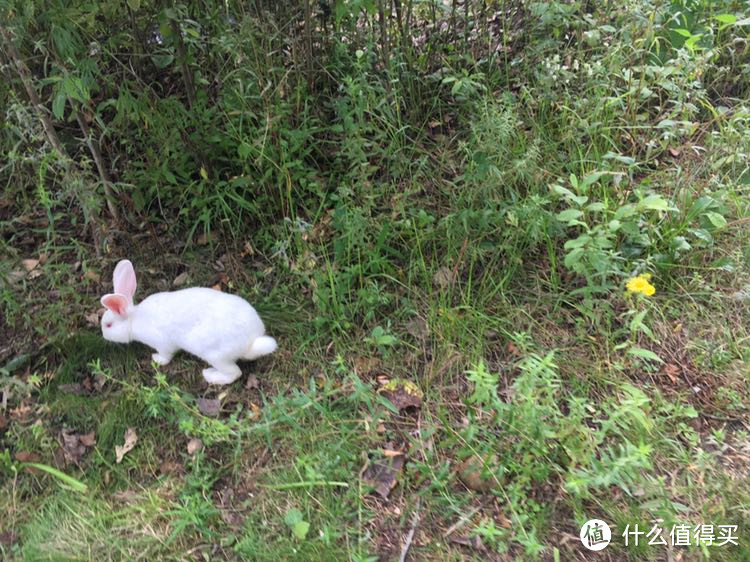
x=463, y=221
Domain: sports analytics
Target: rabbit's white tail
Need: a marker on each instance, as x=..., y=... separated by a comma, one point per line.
x=261, y=346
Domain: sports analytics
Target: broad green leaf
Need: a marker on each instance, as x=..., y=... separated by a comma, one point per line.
x=596, y=207
x=296, y=523
x=654, y=203
x=645, y=354
x=569, y=215
x=591, y=179
x=162, y=61
x=717, y=220
x=726, y=18
x=58, y=104
x=300, y=529
x=134, y=4
x=579, y=242
x=244, y=150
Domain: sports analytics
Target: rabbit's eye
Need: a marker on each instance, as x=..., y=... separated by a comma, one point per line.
x=108, y=325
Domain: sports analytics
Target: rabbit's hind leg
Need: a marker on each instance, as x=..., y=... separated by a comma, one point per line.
x=222, y=372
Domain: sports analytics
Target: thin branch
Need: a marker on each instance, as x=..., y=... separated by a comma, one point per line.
x=109, y=194
x=25, y=74
x=410, y=536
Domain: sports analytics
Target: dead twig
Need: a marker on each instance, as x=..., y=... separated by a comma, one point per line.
x=410, y=536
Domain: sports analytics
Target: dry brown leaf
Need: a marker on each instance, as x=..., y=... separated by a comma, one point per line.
x=92, y=319
x=209, y=406
x=390, y=453
x=204, y=238
x=255, y=410
x=74, y=445
x=92, y=276
x=29, y=264
x=674, y=152
x=252, y=383
x=247, y=250
x=26, y=456
x=382, y=474
x=471, y=473
x=194, y=445
x=131, y=438
x=181, y=279
x=403, y=394
x=3, y=422
x=88, y=439
x=473, y=542
x=443, y=277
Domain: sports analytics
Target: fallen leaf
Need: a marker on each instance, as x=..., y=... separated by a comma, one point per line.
x=131, y=438
x=672, y=370
x=181, y=279
x=29, y=264
x=443, y=277
x=92, y=319
x=194, y=445
x=674, y=152
x=209, y=406
x=92, y=276
x=25, y=456
x=3, y=422
x=247, y=250
x=473, y=542
x=252, y=383
x=255, y=411
x=390, y=453
x=73, y=446
x=403, y=394
x=88, y=439
x=382, y=474
x=471, y=473
x=21, y=412
x=204, y=238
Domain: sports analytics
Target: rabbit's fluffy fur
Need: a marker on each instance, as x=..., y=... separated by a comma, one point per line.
x=217, y=327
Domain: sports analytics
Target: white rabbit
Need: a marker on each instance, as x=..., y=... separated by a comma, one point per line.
x=217, y=327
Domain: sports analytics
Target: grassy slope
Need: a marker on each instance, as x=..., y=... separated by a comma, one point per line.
x=459, y=259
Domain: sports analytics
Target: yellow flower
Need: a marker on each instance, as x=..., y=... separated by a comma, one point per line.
x=640, y=284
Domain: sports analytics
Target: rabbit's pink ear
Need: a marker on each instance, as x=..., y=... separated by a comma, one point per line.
x=116, y=303
x=124, y=279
